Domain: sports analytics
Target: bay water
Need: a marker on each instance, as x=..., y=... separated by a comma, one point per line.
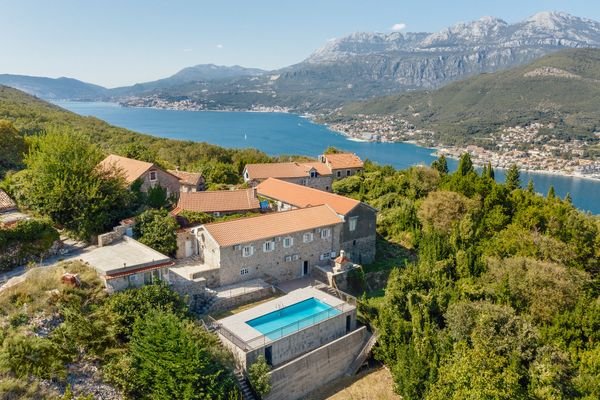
x=281, y=133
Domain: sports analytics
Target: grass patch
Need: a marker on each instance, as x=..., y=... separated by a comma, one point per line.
x=389, y=255
x=244, y=307
x=372, y=384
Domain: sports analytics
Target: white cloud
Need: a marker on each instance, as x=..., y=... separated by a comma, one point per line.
x=219, y=46
x=188, y=50
x=398, y=27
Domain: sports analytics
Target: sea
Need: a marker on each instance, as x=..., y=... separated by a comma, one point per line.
x=287, y=134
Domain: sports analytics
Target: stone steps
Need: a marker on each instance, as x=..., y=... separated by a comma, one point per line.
x=244, y=386
x=363, y=355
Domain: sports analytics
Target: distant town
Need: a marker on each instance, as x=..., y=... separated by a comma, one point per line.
x=526, y=146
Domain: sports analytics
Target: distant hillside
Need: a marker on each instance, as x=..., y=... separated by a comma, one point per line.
x=54, y=89
x=31, y=115
x=563, y=88
x=189, y=75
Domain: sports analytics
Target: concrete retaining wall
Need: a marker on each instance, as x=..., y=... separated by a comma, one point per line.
x=304, y=374
x=226, y=304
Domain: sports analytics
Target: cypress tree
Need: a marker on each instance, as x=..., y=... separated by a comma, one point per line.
x=465, y=165
x=568, y=198
x=513, y=180
x=551, y=193
x=441, y=165
x=530, y=187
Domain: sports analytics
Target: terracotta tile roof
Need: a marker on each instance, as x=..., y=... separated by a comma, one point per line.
x=187, y=178
x=344, y=160
x=6, y=203
x=302, y=196
x=217, y=201
x=132, y=169
x=267, y=226
x=284, y=170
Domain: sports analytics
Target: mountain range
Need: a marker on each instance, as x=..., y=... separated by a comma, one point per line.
x=355, y=67
x=561, y=89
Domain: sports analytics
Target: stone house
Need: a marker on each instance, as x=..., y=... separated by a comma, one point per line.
x=122, y=262
x=342, y=165
x=283, y=245
x=357, y=234
x=149, y=174
x=312, y=174
x=189, y=181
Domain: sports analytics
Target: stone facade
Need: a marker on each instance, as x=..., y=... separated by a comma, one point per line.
x=358, y=234
x=156, y=176
x=282, y=263
x=135, y=280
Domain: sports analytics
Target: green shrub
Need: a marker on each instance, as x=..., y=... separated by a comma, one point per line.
x=258, y=374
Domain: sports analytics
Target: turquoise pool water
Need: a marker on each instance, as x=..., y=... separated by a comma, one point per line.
x=292, y=318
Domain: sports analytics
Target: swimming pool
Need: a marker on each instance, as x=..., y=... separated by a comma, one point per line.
x=292, y=318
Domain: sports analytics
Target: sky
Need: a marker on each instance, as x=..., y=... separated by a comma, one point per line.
x=116, y=43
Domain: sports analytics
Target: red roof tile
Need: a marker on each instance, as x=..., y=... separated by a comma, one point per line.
x=217, y=201
x=302, y=196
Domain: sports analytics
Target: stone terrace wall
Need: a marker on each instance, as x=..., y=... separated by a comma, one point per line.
x=319, y=367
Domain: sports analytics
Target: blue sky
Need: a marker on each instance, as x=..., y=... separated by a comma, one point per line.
x=115, y=43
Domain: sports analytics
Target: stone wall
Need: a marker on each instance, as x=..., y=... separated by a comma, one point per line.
x=299, y=377
x=163, y=178
x=271, y=263
x=359, y=244
x=225, y=304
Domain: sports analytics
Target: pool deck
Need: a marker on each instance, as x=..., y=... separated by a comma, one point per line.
x=237, y=323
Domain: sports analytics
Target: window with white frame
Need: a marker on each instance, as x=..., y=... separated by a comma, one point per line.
x=325, y=256
x=288, y=258
x=247, y=251
x=152, y=176
x=244, y=271
x=268, y=246
x=313, y=174
x=352, y=223
x=325, y=233
x=288, y=242
x=307, y=237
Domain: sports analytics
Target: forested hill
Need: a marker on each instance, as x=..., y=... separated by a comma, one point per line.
x=563, y=88
x=30, y=116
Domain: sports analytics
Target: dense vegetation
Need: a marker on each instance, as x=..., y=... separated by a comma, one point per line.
x=143, y=340
x=25, y=241
x=502, y=301
x=465, y=112
x=31, y=116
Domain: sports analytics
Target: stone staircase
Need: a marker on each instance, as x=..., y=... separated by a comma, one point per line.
x=363, y=355
x=244, y=386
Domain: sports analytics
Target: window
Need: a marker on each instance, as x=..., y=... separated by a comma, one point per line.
x=244, y=271
x=307, y=237
x=325, y=233
x=295, y=257
x=304, y=182
x=288, y=258
x=313, y=174
x=332, y=254
x=347, y=172
x=352, y=223
x=247, y=251
x=339, y=174
x=325, y=256
x=237, y=247
x=288, y=242
x=269, y=246
x=152, y=176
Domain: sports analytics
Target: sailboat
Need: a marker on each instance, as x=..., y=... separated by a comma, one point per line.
x=245, y=137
